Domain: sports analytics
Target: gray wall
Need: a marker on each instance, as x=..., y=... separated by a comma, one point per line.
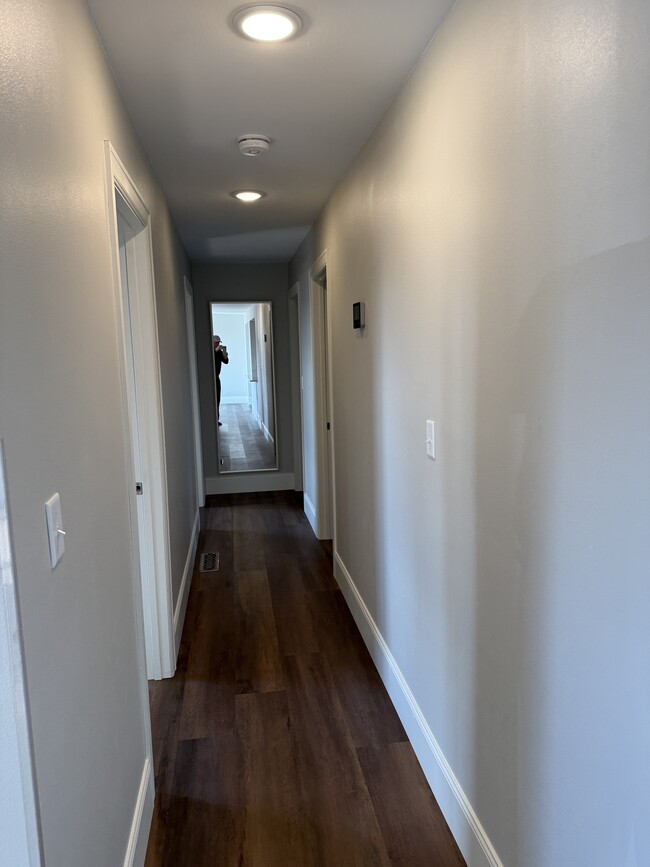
x=61, y=420
x=497, y=225
x=243, y=283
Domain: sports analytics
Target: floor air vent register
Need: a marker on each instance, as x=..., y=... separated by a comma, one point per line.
x=209, y=562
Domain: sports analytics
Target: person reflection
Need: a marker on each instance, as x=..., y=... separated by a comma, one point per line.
x=220, y=357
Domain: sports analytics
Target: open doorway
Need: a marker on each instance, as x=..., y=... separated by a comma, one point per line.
x=147, y=497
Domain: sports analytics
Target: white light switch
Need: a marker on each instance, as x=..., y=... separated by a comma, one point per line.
x=431, y=439
x=55, y=530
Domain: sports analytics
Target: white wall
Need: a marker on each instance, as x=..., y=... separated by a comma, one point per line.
x=497, y=226
x=61, y=421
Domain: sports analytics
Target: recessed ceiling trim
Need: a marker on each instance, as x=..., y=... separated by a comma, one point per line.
x=248, y=195
x=267, y=23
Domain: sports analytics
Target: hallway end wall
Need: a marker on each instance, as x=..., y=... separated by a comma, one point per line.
x=244, y=283
x=497, y=227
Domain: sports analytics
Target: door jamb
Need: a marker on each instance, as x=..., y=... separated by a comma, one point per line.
x=296, y=354
x=194, y=391
x=325, y=504
x=158, y=621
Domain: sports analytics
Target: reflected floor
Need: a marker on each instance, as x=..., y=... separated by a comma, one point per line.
x=242, y=445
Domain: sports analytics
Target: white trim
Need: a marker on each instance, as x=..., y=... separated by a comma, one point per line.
x=19, y=786
x=186, y=583
x=267, y=435
x=465, y=825
x=238, y=398
x=310, y=511
x=230, y=483
x=136, y=849
x=296, y=386
x=325, y=494
x=152, y=533
x=194, y=392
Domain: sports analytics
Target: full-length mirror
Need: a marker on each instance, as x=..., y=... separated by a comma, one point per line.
x=242, y=351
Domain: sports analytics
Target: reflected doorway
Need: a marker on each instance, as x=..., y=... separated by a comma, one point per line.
x=244, y=380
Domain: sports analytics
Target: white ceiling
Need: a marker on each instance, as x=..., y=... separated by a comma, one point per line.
x=192, y=86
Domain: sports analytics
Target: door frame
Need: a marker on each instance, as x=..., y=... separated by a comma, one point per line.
x=154, y=608
x=19, y=779
x=194, y=391
x=321, y=328
x=296, y=387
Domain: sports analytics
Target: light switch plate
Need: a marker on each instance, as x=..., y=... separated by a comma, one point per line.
x=55, y=531
x=431, y=439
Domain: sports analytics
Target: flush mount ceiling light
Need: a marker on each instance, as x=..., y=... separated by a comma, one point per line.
x=248, y=195
x=267, y=23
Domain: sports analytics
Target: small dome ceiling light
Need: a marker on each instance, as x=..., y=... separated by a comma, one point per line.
x=253, y=145
x=267, y=23
x=248, y=195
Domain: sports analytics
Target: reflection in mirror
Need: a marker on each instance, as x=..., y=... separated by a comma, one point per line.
x=242, y=350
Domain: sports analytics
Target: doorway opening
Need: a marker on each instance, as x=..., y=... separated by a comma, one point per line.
x=145, y=448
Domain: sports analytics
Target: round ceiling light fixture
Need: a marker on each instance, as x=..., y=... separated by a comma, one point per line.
x=267, y=23
x=253, y=145
x=248, y=195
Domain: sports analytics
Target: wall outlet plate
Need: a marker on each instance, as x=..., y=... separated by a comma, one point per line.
x=55, y=531
x=430, y=439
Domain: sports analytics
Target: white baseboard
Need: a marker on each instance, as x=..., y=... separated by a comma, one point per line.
x=230, y=483
x=237, y=398
x=136, y=849
x=459, y=813
x=184, y=592
x=267, y=434
x=310, y=511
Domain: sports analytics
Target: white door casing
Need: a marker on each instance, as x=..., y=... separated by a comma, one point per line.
x=194, y=389
x=137, y=333
x=323, y=410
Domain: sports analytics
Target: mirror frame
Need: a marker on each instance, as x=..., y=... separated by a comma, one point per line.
x=276, y=468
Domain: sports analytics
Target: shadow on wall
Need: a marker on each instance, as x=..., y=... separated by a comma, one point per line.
x=571, y=572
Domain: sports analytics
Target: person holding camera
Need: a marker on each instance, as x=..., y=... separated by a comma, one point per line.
x=220, y=357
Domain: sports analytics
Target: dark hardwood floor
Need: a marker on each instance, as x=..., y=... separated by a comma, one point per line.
x=276, y=744
x=242, y=445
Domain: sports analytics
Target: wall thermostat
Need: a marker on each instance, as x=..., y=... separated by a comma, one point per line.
x=359, y=315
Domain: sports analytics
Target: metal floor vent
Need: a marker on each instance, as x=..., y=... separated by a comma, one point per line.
x=209, y=562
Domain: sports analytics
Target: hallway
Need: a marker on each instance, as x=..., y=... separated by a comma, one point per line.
x=276, y=742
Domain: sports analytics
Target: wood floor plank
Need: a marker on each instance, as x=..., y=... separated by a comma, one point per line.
x=333, y=787
x=209, y=695
x=370, y=715
x=205, y=810
x=258, y=665
x=166, y=702
x=313, y=559
x=293, y=616
x=277, y=831
x=414, y=829
x=248, y=537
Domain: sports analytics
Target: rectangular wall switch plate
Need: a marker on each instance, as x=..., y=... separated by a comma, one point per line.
x=431, y=439
x=55, y=531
